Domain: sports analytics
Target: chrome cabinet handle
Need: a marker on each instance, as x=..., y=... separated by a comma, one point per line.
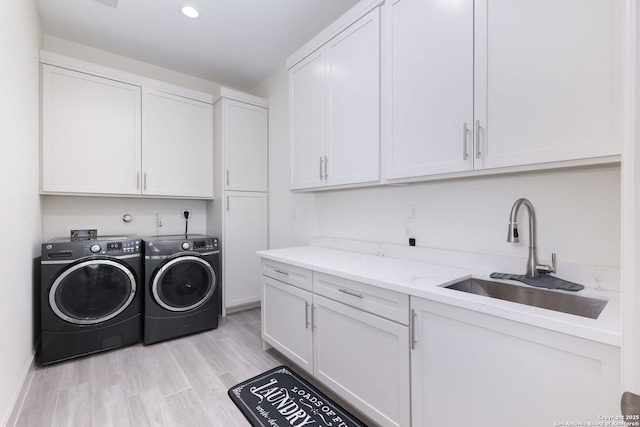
x=227, y=203
x=321, y=164
x=313, y=316
x=227, y=177
x=413, y=329
x=286, y=273
x=465, y=152
x=144, y=181
x=326, y=167
x=353, y=294
x=478, y=127
x=137, y=180
x=306, y=315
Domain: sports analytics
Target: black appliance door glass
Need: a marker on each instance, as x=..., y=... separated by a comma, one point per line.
x=184, y=283
x=92, y=291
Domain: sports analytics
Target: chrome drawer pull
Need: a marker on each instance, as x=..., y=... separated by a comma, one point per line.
x=353, y=294
x=286, y=273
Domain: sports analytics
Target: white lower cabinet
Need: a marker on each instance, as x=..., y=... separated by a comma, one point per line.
x=286, y=324
x=405, y=361
x=359, y=355
x=473, y=369
x=363, y=358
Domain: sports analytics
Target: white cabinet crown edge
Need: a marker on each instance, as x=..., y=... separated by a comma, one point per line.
x=236, y=95
x=352, y=15
x=122, y=76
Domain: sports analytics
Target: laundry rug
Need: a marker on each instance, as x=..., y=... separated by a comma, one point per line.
x=281, y=398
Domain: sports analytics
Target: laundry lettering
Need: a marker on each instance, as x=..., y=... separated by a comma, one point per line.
x=282, y=402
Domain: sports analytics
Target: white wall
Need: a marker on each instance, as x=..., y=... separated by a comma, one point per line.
x=63, y=213
x=578, y=214
x=578, y=210
x=123, y=63
x=292, y=216
x=20, y=226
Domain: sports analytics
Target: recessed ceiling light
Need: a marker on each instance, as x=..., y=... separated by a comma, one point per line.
x=189, y=11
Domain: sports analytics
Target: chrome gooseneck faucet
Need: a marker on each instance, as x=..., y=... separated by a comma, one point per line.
x=533, y=268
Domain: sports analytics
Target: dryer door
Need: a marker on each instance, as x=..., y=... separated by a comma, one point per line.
x=184, y=283
x=92, y=291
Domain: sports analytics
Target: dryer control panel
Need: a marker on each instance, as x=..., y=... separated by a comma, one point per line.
x=166, y=246
x=205, y=245
x=71, y=249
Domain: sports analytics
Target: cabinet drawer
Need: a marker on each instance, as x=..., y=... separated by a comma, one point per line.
x=296, y=276
x=382, y=302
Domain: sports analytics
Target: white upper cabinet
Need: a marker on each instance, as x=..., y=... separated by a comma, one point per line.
x=307, y=94
x=245, y=135
x=429, y=95
x=107, y=132
x=177, y=146
x=500, y=83
x=335, y=109
x=90, y=133
x=549, y=79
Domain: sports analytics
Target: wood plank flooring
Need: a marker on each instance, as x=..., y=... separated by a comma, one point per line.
x=182, y=382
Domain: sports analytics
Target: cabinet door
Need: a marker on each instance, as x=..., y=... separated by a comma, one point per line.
x=307, y=106
x=245, y=232
x=364, y=359
x=430, y=87
x=245, y=137
x=353, y=137
x=90, y=134
x=548, y=79
x=177, y=146
x=478, y=370
x=286, y=321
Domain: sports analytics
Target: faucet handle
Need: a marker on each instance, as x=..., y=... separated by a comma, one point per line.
x=546, y=268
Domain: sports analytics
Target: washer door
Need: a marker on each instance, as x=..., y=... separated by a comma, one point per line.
x=92, y=291
x=184, y=283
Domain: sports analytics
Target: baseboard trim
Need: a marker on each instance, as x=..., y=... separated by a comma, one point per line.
x=20, y=398
x=243, y=307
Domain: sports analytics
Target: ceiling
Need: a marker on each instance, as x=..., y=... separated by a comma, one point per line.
x=236, y=43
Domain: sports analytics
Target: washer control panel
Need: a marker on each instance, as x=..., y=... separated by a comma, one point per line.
x=71, y=249
x=115, y=248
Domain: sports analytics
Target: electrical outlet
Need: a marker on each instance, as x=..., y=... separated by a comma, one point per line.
x=182, y=211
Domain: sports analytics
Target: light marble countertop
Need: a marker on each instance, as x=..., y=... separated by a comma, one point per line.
x=427, y=280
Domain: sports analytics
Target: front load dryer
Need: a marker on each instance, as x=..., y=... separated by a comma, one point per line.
x=182, y=292
x=91, y=296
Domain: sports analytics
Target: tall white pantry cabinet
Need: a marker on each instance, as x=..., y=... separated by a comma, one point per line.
x=239, y=210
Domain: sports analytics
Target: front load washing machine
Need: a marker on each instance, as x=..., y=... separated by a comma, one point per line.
x=182, y=292
x=91, y=297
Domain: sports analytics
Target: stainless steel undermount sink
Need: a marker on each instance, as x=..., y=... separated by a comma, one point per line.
x=565, y=303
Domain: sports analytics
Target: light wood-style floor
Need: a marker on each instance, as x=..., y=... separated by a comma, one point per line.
x=182, y=382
